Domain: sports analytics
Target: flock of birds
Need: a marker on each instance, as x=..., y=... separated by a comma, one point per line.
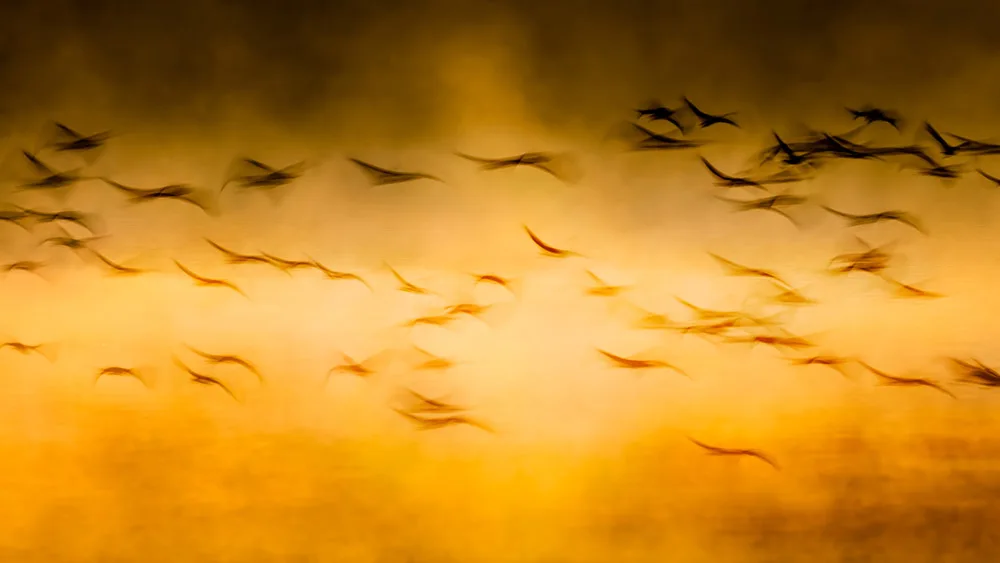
x=788, y=161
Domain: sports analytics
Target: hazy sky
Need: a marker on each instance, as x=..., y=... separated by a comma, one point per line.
x=588, y=463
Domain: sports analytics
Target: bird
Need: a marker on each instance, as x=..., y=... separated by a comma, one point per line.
x=426, y=405
x=656, y=111
x=872, y=115
x=428, y=423
x=633, y=363
x=179, y=192
x=257, y=175
x=898, y=381
x=44, y=350
x=118, y=371
x=201, y=379
x=837, y=363
x=237, y=258
x=735, y=269
x=216, y=359
x=990, y=177
x=656, y=141
x=405, y=286
x=549, y=250
x=715, y=450
x=337, y=275
x=706, y=119
x=976, y=372
x=432, y=362
x=209, y=282
x=898, y=216
x=908, y=291
x=538, y=160
x=384, y=176
x=601, y=288
x=69, y=140
x=115, y=268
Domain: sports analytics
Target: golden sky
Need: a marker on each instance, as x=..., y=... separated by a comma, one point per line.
x=588, y=463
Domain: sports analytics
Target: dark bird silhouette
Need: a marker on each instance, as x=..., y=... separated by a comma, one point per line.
x=350, y=366
x=947, y=149
x=658, y=112
x=774, y=204
x=976, y=372
x=384, y=176
x=547, y=249
x=734, y=269
x=658, y=142
x=202, y=379
x=706, y=119
x=907, y=291
x=872, y=115
x=432, y=362
x=68, y=241
x=18, y=217
x=546, y=162
x=428, y=423
x=118, y=371
x=337, y=275
x=837, y=363
x=49, y=179
x=28, y=266
x=288, y=266
x=83, y=220
x=405, y=286
x=209, y=282
x=178, y=192
x=257, y=175
x=425, y=405
x=715, y=450
x=898, y=381
x=46, y=351
x=727, y=181
x=634, y=363
x=990, y=177
x=217, y=359
x=115, y=268
x=882, y=216
x=603, y=289
x=237, y=258
x=69, y=140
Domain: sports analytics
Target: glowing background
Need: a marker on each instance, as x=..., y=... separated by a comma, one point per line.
x=589, y=463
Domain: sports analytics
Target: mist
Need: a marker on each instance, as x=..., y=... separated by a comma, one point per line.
x=587, y=462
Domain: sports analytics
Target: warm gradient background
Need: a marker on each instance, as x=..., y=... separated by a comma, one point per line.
x=589, y=463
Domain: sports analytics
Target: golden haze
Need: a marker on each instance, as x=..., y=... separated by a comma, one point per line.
x=589, y=462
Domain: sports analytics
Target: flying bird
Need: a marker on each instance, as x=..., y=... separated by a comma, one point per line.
x=428, y=423
x=706, y=119
x=976, y=372
x=734, y=269
x=990, y=177
x=237, y=258
x=658, y=112
x=216, y=359
x=209, y=282
x=658, y=142
x=715, y=450
x=44, y=350
x=115, y=268
x=426, y=405
x=872, y=115
x=546, y=162
x=901, y=217
x=118, y=371
x=898, y=381
x=603, y=289
x=549, y=250
x=257, y=175
x=405, y=286
x=69, y=140
x=384, y=176
x=633, y=363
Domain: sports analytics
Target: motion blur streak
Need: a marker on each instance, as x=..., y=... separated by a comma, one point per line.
x=588, y=462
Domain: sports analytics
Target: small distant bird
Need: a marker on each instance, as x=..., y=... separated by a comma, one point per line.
x=603, y=289
x=426, y=405
x=83, y=220
x=115, y=268
x=428, y=423
x=117, y=371
x=658, y=112
x=68, y=241
x=180, y=192
x=26, y=349
x=257, y=175
x=18, y=218
x=837, y=363
x=990, y=177
x=384, y=176
x=69, y=140
x=352, y=367
x=659, y=142
x=882, y=216
x=947, y=149
x=405, y=286
x=432, y=362
x=506, y=283
x=237, y=258
x=216, y=359
x=715, y=450
x=209, y=282
x=288, y=266
x=706, y=119
x=872, y=115
x=911, y=292
x=898, y=381
x=775, y=341
x=202, y=379
x=633, y=363
x=539, y=160
x=789, y=296
x=49, y=179
x=735, y=269
x=29, y=266
x=336, y=275
x=549, y=250
x=976, y=372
